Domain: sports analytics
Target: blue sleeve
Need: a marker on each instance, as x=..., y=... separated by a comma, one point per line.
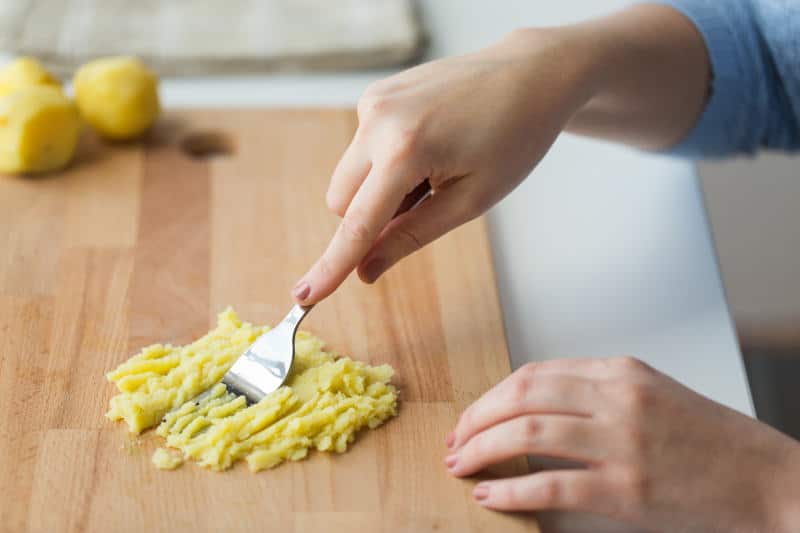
x=754, y=101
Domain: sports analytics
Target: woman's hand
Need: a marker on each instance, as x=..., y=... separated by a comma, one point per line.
x=656, y=453
x=474, y=126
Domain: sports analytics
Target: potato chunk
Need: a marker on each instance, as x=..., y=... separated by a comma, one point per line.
x=117, y=96
x=39, y=130
x=24, y=72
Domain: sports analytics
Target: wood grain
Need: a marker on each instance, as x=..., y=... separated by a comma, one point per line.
x=142, y=243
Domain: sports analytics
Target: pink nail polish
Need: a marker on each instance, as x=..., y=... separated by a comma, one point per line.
x=450, y=440
x=301, y=291
x=450, y=460
x=480, y=492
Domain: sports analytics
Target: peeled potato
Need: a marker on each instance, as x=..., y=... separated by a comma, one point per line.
x=23, y=72
x=39, y=130
x=118, y=96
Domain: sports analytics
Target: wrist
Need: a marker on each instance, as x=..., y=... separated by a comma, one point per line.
x=567, y=56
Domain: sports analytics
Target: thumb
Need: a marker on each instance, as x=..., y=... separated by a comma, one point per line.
x=445, y=210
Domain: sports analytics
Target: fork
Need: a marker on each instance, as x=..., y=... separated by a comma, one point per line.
x=264, y=366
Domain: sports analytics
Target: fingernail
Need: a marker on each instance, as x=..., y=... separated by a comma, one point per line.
x=373, y=269
x=450, y=440
x=480, y=492
x=450, y=460
x=301, y=290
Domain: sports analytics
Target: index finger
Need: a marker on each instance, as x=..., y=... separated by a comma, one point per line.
x=371, y=209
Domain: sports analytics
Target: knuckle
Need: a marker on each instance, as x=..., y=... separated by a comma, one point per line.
x=324, y=266
x=466, y=420
x=478, y=446
x=354, y=228
x=406, y=138
x=636, y=439
x=373, y=89
x=531, y=429
x=404, y=146
x=528, y=369
x=518, y=390
x=637, y=398
x=526, y=375
x=550, y=493
x=636, y=487
x=632, y=396
x=509, y=495
x=372, y=104
x=334, y=203
x=525, y=379
x=578, y=497
x=628, y=363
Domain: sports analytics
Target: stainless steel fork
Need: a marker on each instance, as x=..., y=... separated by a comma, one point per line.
x=264, y=366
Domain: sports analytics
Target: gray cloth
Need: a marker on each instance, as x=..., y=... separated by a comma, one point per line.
x=214, y=36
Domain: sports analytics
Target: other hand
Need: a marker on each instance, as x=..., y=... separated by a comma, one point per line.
x=656, y=454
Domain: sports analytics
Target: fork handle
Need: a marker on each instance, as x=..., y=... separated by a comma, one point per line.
x=296, y=315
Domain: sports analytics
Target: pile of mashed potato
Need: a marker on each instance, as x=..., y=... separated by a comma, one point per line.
x=325, y=402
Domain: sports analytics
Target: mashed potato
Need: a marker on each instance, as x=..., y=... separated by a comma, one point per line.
x=324, y=403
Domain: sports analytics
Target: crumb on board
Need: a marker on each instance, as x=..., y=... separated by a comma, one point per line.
x=167, y=458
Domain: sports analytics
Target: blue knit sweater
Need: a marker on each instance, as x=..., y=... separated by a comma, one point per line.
x=754, y=46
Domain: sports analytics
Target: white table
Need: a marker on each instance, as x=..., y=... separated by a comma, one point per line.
x=602, y=251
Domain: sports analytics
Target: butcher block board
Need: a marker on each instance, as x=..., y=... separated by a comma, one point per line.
x=144, y=243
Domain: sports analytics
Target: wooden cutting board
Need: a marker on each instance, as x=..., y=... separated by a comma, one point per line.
x=145, y=243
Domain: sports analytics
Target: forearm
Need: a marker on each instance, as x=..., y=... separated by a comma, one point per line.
x=644, y=75
x=655, y=78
